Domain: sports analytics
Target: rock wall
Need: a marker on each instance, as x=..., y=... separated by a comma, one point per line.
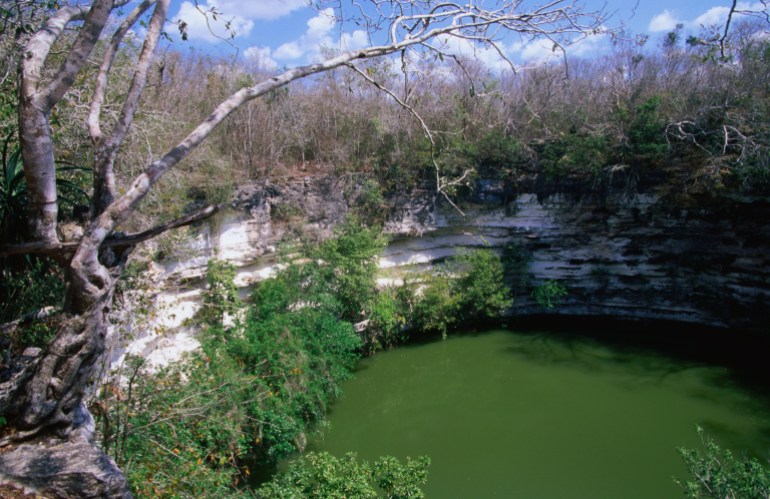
x=624, y=256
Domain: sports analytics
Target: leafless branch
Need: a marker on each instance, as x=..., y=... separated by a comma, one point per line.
x=44, y=248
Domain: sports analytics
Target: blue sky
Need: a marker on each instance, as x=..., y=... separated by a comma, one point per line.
x=285, y=33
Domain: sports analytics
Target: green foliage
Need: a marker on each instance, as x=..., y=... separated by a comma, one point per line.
x=575, y=153
x=349, y=265
x=183, y=431
x=437, y=306
x=646, y=134
x=221, y=296
x=716, y=473
x=501, y=152
x=386, y=320
x=370, y=204
x=13, y=193
x=31, y=284
x=321, y=475
x=481, y=288
x=471, y=286
x=299, y=357
x=549, y=294
x=180, y=431
x=401, y=481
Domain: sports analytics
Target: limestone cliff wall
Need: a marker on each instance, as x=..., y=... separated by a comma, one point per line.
x=626, y=256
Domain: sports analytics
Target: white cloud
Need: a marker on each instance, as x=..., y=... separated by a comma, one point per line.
x=717, y=16
x=240, y=15
x=319, y=27
x=262, y=56
x=259, y=9
x=544, y=51
x=205, y=28
x=356, y=40
x=309, y=44
x=290, y=50
x=320, y=35
x=539, y=50
x=713, y=17
x=665, y=21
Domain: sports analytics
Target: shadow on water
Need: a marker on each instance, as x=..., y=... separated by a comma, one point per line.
x=724, y=366
x=655, y=347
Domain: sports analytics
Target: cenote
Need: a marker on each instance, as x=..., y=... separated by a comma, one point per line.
x=543, y=414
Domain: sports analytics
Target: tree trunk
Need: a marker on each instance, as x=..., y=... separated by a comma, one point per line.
x=48, y=430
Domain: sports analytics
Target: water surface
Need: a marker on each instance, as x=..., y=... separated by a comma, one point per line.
x=533, y=415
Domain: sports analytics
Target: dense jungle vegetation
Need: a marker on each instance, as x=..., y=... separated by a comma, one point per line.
x=675, y=115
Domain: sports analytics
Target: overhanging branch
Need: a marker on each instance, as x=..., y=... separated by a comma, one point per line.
x=115, y=241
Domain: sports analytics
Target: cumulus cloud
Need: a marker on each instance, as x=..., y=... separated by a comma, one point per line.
x=665, y=21
x=205, y=28
x=717, y=16
x=713, y=17
x=320, y=34
x=259, y=9
x=290, y=50
x=355, y=40
x=240, y=15
x=544, y=50
x=262, y=57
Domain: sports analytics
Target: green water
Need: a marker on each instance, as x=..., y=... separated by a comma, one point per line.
x=540, y=415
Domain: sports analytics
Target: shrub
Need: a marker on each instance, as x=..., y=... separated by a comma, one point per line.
x=31, y=285
x=436, y=307
x=221, y=296
x=386, y=321
x=349, y=265
x=549, y=294
x=481, y=288
x=321, y=475
x=716, y=473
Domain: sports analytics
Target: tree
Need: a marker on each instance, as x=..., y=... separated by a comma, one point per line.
x=715, y=472
x=44, y=396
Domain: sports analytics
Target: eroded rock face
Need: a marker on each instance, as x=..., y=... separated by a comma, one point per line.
x=626, y=256
x=623, y=256
x=52, y=467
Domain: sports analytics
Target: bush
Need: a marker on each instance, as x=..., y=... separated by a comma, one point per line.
x=716, y=473
x=436, y=307
x=180, y=431
x=321, y=475
x=348, y=265
x=30, y=285
x=481, y=288
x=647, y=143
x=549, y=294
x=386, y=321
x=221, y=298
x=575, y=153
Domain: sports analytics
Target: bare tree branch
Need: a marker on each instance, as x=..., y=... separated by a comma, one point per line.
x=114, y=241
x=106, y=151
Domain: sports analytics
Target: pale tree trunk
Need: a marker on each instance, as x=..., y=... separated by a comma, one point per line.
x=37, y=100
